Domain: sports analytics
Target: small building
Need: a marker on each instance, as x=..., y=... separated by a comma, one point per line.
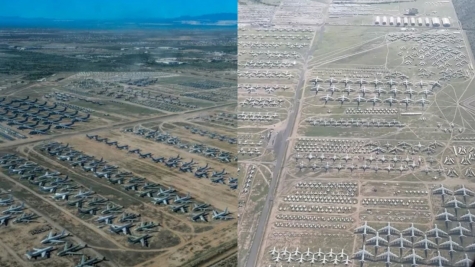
x=413, y=21
x=435, y=22
x=446, y=22
x=398, y=21
x=411, y=12
x=391, y=21
x=406, y=21
x=377, y=20
x=419, y=21
x=385, y=20
x=427, y=21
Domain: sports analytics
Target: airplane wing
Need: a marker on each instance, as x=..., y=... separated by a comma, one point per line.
x=143, y=242
x=56, y=241
x=464, y=262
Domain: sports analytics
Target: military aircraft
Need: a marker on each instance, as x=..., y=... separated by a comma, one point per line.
x=199, y=216
x=445, y=216
x=363, y=254
x=146, y=226
x=413, y=258
x=442, y=190
x=91, y=210
x=460, y=230
x=413, y=231
x=55, y=238
x=221, y=215
x=162, y=200
x=84, y=194
x=177, y=208
x=326, y=98
x=107, y=219
x=464, y=191
x=88, y=261
x=40, y=131
x=185, y=199
x=425, y=243
x=6, y=201
x=143, y=239
x=70, y=249
x=401, y=242
x=365, y=229
x=439, y=260
x=389, y=230
x=376, y=240
x=201, y=207
x=15, y=209
x=39, y=252
x=24, y=218
x=117, y=229
x=465, y=262
x=388, y=256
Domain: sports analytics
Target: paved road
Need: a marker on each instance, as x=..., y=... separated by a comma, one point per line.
x=280, y=149
x=19, y=142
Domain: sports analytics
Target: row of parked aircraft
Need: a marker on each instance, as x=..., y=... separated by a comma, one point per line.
x=359, y=99
x=376, y=82
x=362, y=91
x=168, y=139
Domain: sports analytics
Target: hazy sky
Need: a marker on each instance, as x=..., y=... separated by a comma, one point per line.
x=113, y=9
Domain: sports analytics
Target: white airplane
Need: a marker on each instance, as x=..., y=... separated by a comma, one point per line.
x=439, y=260
x=465, y=262
x=457, y=204
x=296, y=252
x=442, y=190
x=468, y=217
x=388, y=256
x=277, y=258
x=273, y=251
x=332, y=80
x=413, y=258
x=347, y=260
x=401, y=242
x=423, y=101
x=363, y=254
x=331, y=254
x=464, y=191
x=313, y=260
x=342, y=254
x=412, y=231
x=460, y=230
x=359, y=99
x=376, y=240
x=389, y=230
x=451, y=245
x=365, y=229
x=446, y=216
x=302, y=259
x=436, y=232
x=391, y=82
x=324, y=259
x=425, y=243
x=319, y=253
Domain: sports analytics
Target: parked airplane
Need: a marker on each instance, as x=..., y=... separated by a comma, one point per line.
x=39, y=252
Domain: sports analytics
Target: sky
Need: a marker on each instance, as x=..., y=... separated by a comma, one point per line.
x=113, y=9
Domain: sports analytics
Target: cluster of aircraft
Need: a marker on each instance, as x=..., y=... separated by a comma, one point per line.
x=15, y=213
x=253, y=88
x=362, y=90
x=69, y=249
x=354, y=122
x=165, y=138
x=412, y=238
x=212, y=135
x=309, y=256
x=25, y=111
